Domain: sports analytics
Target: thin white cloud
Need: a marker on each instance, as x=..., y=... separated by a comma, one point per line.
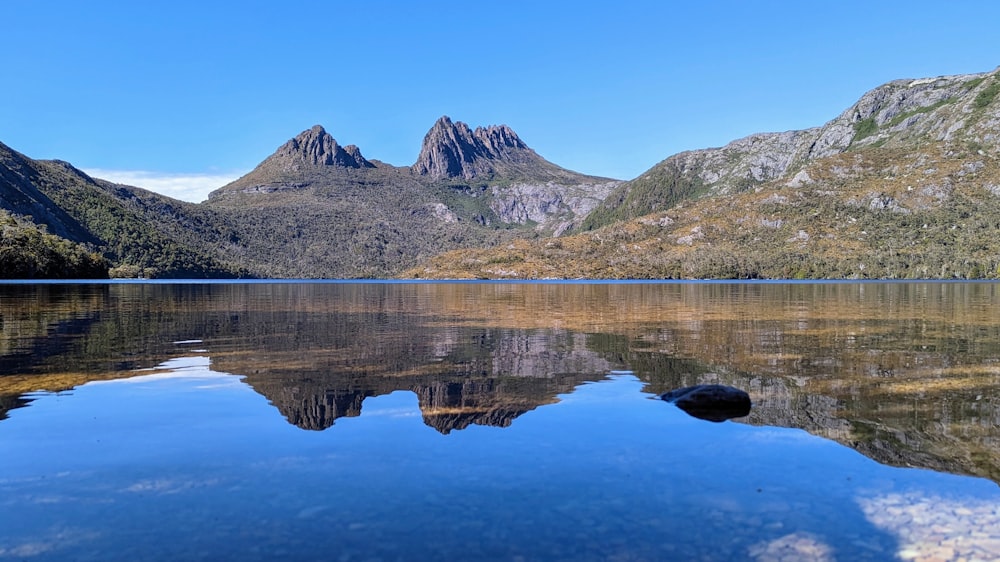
x=186, y=187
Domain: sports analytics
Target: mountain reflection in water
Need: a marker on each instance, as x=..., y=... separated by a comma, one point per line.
x=905, y=373
x=184, y=462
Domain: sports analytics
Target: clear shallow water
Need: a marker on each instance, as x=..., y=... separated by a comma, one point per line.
x=467, y=423
x=189, y=463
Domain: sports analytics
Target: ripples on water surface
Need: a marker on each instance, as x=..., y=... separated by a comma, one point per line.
x=498, y=421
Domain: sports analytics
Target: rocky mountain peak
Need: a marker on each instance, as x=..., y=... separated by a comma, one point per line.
x=317, y=148
x=499, y=138
x=305, y=159
x=354, y=152
x=452, y=149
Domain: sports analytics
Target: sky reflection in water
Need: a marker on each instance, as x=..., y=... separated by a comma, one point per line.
x=189, y=463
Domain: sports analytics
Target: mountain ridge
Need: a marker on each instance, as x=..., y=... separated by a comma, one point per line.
x=453, y=149
x=21, y=196
x=898, y=109
x=903, y=183
x=451, y=153
x=313, y=208
x=490, y=188
x=98, y=217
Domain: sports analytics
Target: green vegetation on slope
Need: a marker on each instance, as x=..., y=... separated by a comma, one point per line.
x=660, y=188
x=131, y=242
x=865, y=128
x=28, y=252
x=986, y=95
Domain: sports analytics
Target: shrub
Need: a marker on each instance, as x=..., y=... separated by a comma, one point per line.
x=865, y=128
x=986, y=96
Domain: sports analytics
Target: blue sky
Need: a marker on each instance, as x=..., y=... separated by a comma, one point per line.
x=181, y=96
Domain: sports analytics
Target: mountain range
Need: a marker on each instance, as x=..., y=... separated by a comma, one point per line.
x=314, y=208
x=904, y=183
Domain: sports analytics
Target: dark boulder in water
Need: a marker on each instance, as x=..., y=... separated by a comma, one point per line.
x=712, y=402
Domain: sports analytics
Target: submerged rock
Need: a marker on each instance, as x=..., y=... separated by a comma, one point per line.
x=712, y=402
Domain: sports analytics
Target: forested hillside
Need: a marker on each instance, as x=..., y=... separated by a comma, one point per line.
x=27, y=251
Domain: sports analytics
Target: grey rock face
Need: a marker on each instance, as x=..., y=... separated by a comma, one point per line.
x=315, y=147
x=352, y=158
x=523, y=186
x=452, y=150
x=311, y=157
x=549, y=204
x=896, y=114
x=902, y=109
x=754, y=159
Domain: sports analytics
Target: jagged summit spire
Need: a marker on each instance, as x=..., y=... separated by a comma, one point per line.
x=452, y=149
x=316, y=147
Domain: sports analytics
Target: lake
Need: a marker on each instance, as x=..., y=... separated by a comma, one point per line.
x=498, y=421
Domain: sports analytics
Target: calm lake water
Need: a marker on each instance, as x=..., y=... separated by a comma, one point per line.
x=461, y=421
